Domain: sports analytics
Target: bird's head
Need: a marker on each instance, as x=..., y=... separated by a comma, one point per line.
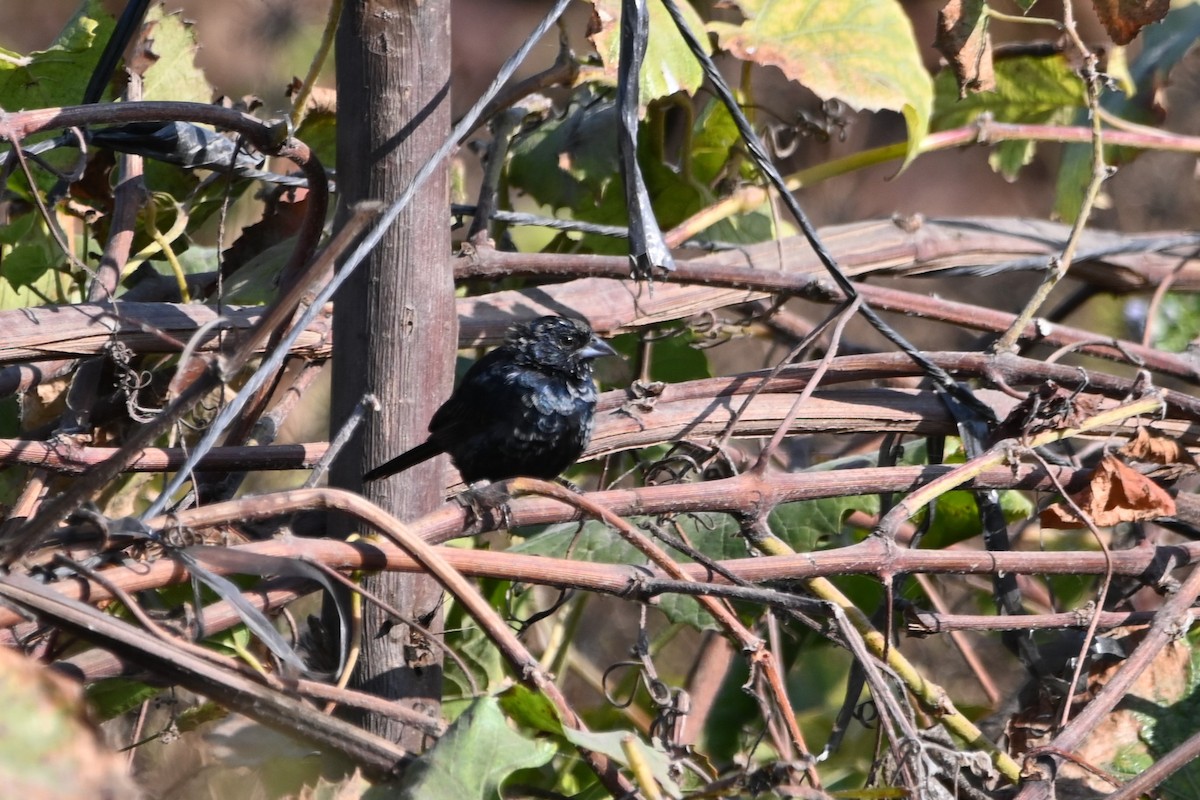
x=559, y=344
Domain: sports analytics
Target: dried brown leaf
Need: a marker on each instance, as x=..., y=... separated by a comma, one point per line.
x=1116, y=493
x=963, y=39
x=1123, y=19
x=1151, y=445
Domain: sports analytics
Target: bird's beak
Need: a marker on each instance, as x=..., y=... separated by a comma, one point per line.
x=596, y=348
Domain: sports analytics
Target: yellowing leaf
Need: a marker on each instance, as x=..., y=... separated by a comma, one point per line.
x=862, y=53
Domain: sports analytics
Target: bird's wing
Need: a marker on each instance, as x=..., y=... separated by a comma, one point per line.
x=471, y=404
x=456, y=419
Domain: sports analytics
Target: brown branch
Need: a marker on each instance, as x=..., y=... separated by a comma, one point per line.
x=61, y=456
x=870, y=557
x=927, y=623
x=1166, y=627
x=707, y=405
x=32, y=334
x=699, y=286
x=268, y=705
x=1115, y=262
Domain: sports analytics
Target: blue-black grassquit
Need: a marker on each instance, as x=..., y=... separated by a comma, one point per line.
x=525, y=408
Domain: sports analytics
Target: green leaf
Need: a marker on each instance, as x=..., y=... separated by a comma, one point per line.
x=25, y=264
x=672, y=359
x=567, y=162
x=863, y=53
x=593, y=541
x=474, y=757
x=531, y=709
x=806, y=526
x=174, y=74
x=477, y=651
x=319, y=132
x=1074, y=175
x=810, y=525
x=956, y=517
x=1043, y=91
x=56, y=76
x=114, y=696
x=611, y=744
x=571, y=163
x=669, y=66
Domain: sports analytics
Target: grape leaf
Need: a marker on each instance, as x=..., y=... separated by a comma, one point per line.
x=862, y=53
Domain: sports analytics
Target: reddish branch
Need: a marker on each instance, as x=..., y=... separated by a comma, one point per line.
x=870, y=557
x=812, y=286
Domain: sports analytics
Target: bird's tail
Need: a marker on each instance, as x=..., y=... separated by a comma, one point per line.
x=409, y=458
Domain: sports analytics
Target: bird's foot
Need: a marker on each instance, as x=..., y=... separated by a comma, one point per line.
x=486, y=505
x=572, y=485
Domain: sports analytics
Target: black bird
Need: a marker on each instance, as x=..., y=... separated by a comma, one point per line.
x=525, y=408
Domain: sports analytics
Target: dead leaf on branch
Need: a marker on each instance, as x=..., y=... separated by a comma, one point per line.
x=1048, y=407
x=1126, y=733
x=963, y=39
x=1151, y=445
x=1116, y=493
x=1124, y=19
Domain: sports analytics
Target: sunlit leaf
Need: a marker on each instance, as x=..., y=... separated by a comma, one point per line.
x=669, y=66
x=173, y=75
x=1044, y=91
x=474, y=757
x=862, y=53
x=613, y=744
x=531, y=709
x=57, y=75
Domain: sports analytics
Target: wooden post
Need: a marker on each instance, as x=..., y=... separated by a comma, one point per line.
x=395, y=330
